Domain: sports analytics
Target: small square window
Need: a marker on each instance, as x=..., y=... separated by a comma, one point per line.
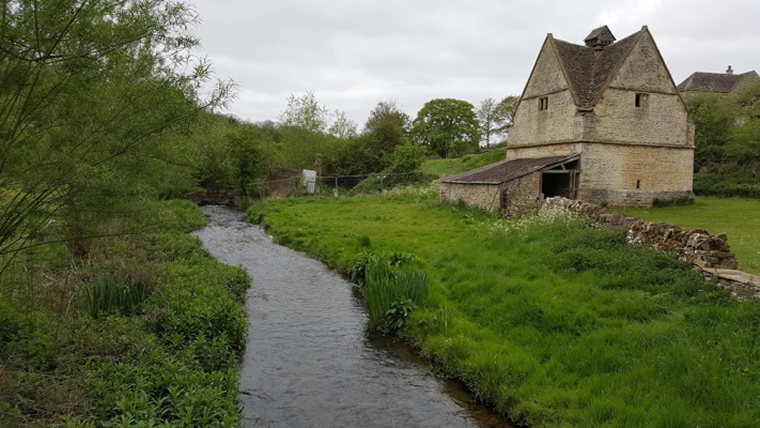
x=543, y=103
x=642, y=100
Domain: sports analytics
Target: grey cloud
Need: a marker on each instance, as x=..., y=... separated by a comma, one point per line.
x=354, y=53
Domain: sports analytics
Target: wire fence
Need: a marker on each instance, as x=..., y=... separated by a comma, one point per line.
x=322, y=184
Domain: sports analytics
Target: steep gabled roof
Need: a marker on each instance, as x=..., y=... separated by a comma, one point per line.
x=714, y=82
x=589, y=70
x=506, y=170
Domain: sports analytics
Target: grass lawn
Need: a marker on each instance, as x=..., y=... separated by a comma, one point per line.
x=554, y=322
x=445, y=167
x=739, y=218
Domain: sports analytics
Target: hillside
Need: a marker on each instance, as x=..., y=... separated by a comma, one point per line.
x=451, y=166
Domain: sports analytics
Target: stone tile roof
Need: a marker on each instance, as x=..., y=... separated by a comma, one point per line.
x=601, y=35
x=714, y=82
x=590, y=70
x=506, y=170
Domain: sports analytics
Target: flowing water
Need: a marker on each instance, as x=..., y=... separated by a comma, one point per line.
x=309, y=362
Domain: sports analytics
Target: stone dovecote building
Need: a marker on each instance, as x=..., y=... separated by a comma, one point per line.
x=601, y=122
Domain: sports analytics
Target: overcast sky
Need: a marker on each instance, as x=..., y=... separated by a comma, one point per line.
x=354, y=53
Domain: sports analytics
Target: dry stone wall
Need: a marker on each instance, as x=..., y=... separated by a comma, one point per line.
x=483, y=196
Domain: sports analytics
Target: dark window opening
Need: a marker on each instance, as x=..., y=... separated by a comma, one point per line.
x=638, y=184
x=642, y=100
x=543, y=103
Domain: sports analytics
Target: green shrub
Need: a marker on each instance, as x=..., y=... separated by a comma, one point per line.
x=361, y=265
x=404, y=170
x=673, y=202
x=396, y=316
x=181, y=216
x=739, y=184
x=172, y=246
x=196, y=301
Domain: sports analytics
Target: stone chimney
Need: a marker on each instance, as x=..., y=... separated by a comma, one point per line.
x=729, y=70
x=599, y=38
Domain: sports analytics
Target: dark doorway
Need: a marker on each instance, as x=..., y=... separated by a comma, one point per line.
x=556, y=183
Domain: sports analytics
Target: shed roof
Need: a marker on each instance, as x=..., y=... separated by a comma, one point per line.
x=714, y=82
x=509, y=169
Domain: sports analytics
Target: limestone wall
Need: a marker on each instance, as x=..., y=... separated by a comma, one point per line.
x=532, y=125
x=622, y=175
x=610, y=173
x=662, y=121
x=522, y=194
x=483, y=196
x=559, y=149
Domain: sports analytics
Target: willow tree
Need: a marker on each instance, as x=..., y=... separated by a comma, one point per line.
x=90, y=91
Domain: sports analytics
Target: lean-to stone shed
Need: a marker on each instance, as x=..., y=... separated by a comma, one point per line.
x=611, y=109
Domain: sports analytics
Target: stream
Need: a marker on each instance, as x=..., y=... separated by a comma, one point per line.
x=308, y=360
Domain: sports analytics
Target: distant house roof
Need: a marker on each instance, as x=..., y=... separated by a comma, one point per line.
x=589, y=69
x=506, y=170
x=714, y=82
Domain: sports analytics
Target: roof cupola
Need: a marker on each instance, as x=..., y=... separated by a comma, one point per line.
x=599, y=38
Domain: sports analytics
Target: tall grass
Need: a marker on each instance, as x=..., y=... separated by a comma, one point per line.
x=554, y=321
x=111, y=294
x=383, y=288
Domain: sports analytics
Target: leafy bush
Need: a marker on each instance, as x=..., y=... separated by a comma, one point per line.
x=181, y=216
x=673, y=202
x=727, y=184
x=404, y=170
x=396, y=316
x=359, y=269
x=188, y=306
x=153, y=347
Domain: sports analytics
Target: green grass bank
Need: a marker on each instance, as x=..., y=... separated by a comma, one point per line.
x=737, y=217
x=451, y=166
x=552, y=321
x=144, y=332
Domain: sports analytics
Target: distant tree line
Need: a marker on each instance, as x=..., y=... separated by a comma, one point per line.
x=727, y=139
x=101, y=113
x=237, y=154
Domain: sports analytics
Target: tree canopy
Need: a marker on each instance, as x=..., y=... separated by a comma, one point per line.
x=447, y=126
x=92, y=96
x=727, y=140
x=305, y=112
